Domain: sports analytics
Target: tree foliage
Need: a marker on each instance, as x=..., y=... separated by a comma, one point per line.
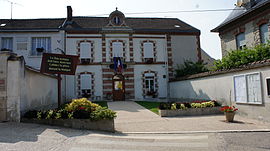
x=237, y=58
x=189, y=68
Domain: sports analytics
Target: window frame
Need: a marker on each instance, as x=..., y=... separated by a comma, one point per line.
x=238, y=42
x=263, y=39
x=21, y=42
x=247, y=95
x=12, y=41
x=39, y=54
x=114, y=49
x=144, y=50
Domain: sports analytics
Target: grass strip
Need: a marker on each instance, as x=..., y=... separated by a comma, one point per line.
x=152, y=106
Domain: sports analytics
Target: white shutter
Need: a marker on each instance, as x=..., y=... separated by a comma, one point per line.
x=21, y=43
x=148, y=51
x=86, y=81
x=254, y=88
x=85, y=50
x=240, y=89
x=117, y=49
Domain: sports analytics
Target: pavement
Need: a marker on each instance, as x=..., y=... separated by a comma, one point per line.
x=133, y=118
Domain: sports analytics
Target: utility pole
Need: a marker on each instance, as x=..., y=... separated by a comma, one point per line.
x=11, y=6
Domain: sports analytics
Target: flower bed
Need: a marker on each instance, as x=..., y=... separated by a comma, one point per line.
x=197, y=108
x=102, y=125
x=80, y=113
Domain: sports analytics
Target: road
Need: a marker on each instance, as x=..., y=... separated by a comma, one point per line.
x=33, y=137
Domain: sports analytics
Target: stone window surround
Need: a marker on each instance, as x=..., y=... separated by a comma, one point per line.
x=79, y=93
x=92, y=49
x=154, y=50
x=259, y=24
x=144, y=89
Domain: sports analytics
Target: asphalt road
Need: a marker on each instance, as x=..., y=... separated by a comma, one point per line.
x=33, y=137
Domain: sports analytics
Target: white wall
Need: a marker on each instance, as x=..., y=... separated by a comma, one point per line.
x=38, y=91
x=26, y=89
x=162, y=82
x=218, y=87
x=57, y=41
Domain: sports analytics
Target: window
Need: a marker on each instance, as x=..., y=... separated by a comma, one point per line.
x=21, y=43
x=7, y=43
x=247, y=88
x=148, y=50
x=86, y=85
x=268, y=86
x=240, y=41
x=117, y=49
x=40, y=45
x=116, y=20
x=85, y=52
x=150, y=83
x=264, y=33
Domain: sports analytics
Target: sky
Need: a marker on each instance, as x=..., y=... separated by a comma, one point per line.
x=204, y=21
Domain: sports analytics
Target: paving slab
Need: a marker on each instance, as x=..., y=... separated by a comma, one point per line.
x=133, y=118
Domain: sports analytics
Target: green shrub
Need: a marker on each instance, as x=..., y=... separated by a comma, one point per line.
x=102, y=113
x=189, y=68
x=237, y=58
x=78, y=109
x=81, y=104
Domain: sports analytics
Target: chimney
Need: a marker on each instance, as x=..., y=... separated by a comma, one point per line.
x=69, y=13
x=248, y=3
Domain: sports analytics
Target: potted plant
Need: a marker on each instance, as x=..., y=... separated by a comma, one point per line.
x=229, y=112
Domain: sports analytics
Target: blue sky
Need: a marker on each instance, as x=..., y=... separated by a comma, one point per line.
x=205, y=21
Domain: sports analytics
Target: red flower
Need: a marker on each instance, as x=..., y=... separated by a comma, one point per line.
x=81, y=108
x=228, y=109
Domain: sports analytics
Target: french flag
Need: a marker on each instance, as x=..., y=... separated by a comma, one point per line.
x=118, y=66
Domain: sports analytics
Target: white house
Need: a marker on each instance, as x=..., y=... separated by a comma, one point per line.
x=149, y=49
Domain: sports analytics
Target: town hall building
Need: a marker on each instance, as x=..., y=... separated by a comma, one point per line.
x=120, y=57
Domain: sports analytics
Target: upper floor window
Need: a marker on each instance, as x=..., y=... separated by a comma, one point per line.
x=148, y=50
x=7, y=43
x=117, y=49
x=264, y=33
x=21, y=43
x=240, y=41
x=40, y=45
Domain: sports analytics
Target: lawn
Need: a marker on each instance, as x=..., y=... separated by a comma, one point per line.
x=152, y=106
x=102, y=103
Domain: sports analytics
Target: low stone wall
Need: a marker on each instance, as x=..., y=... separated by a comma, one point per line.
x=190, y=112
x=102, y=125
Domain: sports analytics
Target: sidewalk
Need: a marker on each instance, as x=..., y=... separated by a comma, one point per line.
x=133, y=118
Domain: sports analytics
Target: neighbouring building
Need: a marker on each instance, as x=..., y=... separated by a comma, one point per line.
x=246, y=26
x=149, y=50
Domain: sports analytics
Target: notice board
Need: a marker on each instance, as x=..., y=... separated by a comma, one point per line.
x=59, y=64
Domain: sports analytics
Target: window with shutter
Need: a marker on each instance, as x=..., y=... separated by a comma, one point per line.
x=85, y=50
x=117, y=48
x=21, y=43
x=86, y=85
x=148, y=50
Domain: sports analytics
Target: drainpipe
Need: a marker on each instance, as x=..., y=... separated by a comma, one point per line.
x=167, y=68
